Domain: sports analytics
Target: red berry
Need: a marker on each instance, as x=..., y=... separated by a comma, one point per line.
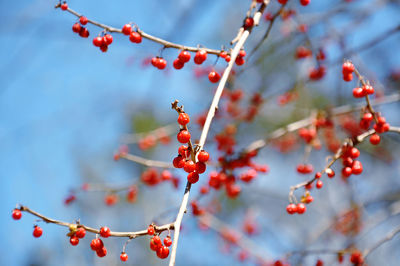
x=203, y=156
x=200, y=57
x=167, y=241
x=74, y=240
x=81, y=232
x=356, y=258
x=123, y=256
x=319, y=184
x=150, y=230
x=301, y=208
x=183, y=119
x=348, y=77
x=104, y=47
x=291, y=208
x=356, y=168
x=178, y=64
x=368, y=89
x=304, y=2
x=368, y=117
x=64, y=6
x=214, y=77
x=309, y=199
x=16, y=214
x=96, y=244
x=242, y=53
x=375, y=139
x=239, y=60
x=162, y=63
x=37, y=231
x=162, y=252
x=83, y=20
x=105, y=231
x=178, y=162
x=153, y=246
x=200, y=167
x=157, y=240
x=330, y=172
x=354, y=153
x=282, y=2
x=346, y=171
x=184, y=56
x=183, y=136
x=101, y=252
x=98, y=41
x=84, y=33
x=183, y=151
x=228, y=58
x=135, y=37
x=76, y=27
x=108, y=39
x=318, y=175
x=248, y=22
x=223, y=54
x=358, y=92
x=127, y=29
x=193, y=177
x=319, y=263
x=347, y=68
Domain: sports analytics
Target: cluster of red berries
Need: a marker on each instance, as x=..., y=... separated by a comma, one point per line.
x=156, y=245
x=299, y=208
x=79, y=28
x=103, y=42
x=317, y=73
x=360, y=92
x=80, y=232
x=183, y=159
x=152, y=177
x=97, y=245
x=302, y=52
x=304, y=168
x=240, y=58
x=350, y=165
x=134, y=36
x=183, y=57
x=225, y=56
x=347, y=71
x=150, y=141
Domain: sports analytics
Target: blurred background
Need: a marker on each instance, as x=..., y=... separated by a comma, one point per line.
x=66, y=108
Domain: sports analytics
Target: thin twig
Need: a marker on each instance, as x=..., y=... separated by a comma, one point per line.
x=382, y=241
x=166, y=44
x=146, y=162
x=157, y=229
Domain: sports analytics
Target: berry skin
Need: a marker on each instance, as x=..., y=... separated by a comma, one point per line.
x=183, y=119
x=97, y=41
x=96, y=244
x=16, y=214
x=248, y=22
x=193, y=177
x=105, y=231
x=239, y=61
x=64, y=6
x=354, y=153
x=304, y=2
x=242, y=53
x=76, y=27
x=291, y=208
x=375, y=139
x=150, y=230
x=318, y=175
x=356, y=168
x=214, y=77
x=81, y=232
x=282, y=2
x=347, y=68
x=167, y=241
x=84, y=33
x=83, y=20
x=203, y=156
x=183, y=136
x=37, y=231
x=358, y=92
x=200, y=167
x=123, y=256
x=108, y=39
x=162, y=252
x=200, y=57
x=347, y=171
x=162, y=63
x=319, y=184
x=74, y=240
x=178, y=162
x=330, y=173
x=157, y=240
x=135, y=37
x=104, y=47
x=368, y=89
x=301, y=208
x=183, y=151
x=127, y=29
x=184, y=56
x=178, y=64
x=101, y=252
x=356, y=258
